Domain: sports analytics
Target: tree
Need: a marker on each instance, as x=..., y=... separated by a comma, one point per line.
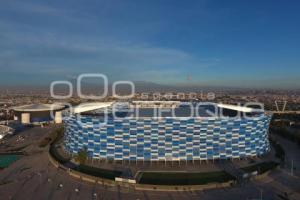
x=81, y=156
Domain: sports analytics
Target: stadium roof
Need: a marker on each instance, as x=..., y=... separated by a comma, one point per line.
x=91, y=106
x=203, y=110
x=239, y=108
x=38, y=107
x=158, y=102
x=87, y=107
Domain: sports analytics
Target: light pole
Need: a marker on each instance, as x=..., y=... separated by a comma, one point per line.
x=261, y=194
x=292, y=168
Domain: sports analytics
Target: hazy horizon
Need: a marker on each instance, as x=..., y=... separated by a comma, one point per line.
x=145, y=86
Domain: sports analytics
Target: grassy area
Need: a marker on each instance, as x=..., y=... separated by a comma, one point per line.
x=289, y=133
x=102, y=173
x=279, y=151
x=184, y=178
x=261, y=167
x=53, y=152
x=4, y=182
x=6, y=160
x=287, y=126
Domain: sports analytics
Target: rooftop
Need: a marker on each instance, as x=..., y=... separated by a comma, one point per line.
x=86, y=107
x=127, y=109
x=38, y=107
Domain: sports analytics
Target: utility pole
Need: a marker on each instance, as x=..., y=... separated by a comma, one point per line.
x=292, y=168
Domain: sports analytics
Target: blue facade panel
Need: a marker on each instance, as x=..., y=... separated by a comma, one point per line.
x=168, y=138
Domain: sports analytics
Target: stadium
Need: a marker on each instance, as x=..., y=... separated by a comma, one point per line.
x=178, y=132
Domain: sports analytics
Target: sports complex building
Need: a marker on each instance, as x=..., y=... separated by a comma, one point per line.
x=38, y=113
x=130, y=132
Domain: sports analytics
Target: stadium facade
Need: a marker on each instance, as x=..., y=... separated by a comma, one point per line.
x=167, y=138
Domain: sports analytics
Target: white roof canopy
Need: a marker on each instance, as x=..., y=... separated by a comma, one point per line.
x=239, y=108
x=39, y=107
x=85, y=107
x=165, y=102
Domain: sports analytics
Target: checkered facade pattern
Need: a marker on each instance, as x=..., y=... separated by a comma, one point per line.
x=168, y=139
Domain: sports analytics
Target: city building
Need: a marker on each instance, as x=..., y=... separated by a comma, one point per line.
x=172, y=132
x=38, y=113
x=5, y=130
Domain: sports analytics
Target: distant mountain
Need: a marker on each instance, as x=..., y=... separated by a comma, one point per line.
x=140, y=86
x=143, y=86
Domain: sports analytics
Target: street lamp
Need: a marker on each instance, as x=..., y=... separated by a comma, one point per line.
x=95, y=195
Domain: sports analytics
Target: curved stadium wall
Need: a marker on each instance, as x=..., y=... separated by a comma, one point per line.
x=168, y=139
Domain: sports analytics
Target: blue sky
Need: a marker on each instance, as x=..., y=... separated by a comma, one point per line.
x=231, y=43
